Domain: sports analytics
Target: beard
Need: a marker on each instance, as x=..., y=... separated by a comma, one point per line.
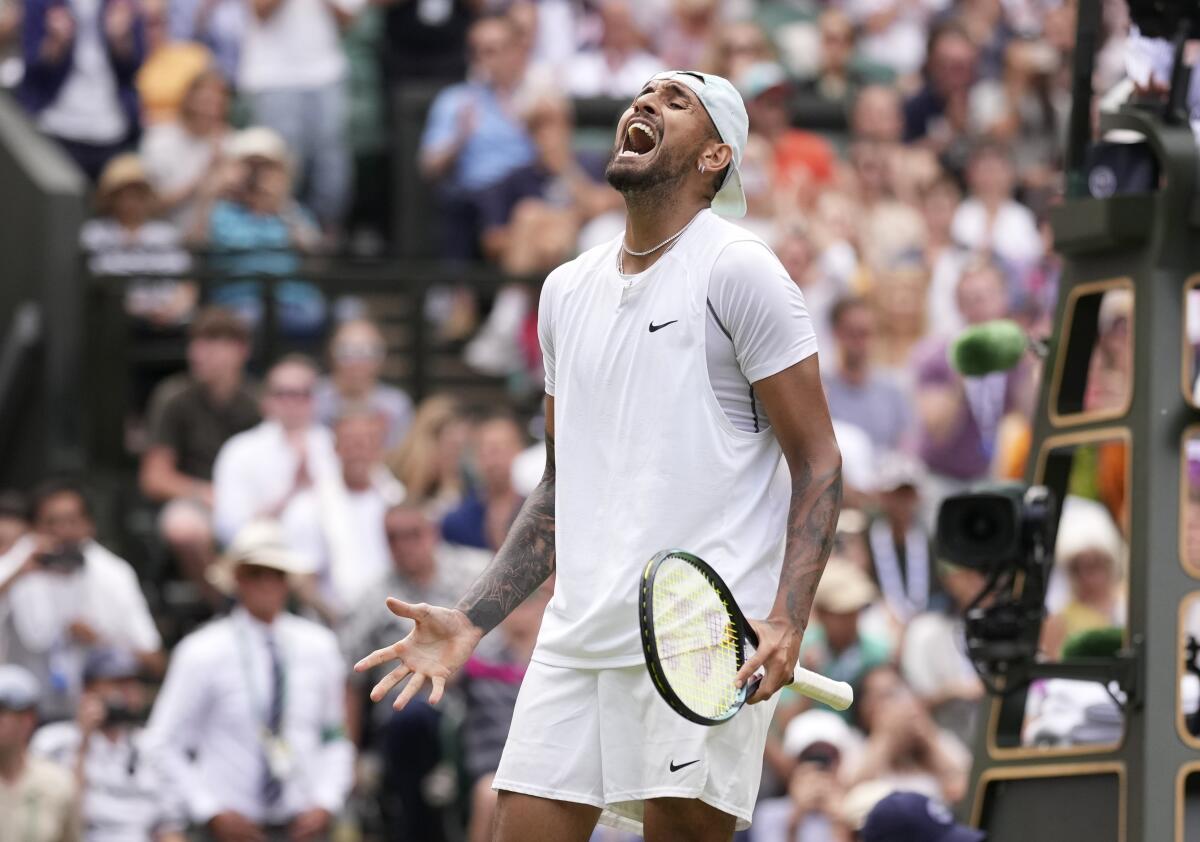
x=670, y=167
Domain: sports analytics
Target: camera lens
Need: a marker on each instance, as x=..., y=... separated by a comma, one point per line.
x=979, y=525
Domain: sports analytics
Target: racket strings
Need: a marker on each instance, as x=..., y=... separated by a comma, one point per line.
x=699, y=646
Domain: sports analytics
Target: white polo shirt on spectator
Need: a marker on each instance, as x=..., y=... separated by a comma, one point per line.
x=41, y=606
x=204, y=740
x=257, y=468
x=298, y=46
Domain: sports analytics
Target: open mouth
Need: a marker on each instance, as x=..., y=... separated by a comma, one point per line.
x=640, y=138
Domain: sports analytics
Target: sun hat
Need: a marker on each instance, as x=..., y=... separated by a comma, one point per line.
x=120, y=172
x=260, y=142
x=19, y=690
x=844, y=588
x=260, y=543
x=724, y=105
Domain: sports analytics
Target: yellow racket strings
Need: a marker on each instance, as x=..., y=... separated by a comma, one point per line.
x=697, y=642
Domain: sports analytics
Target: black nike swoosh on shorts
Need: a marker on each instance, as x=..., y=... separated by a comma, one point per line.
x=675, y=768
x=654, y=327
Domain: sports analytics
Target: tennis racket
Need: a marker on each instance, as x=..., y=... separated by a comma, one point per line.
x=695, y=640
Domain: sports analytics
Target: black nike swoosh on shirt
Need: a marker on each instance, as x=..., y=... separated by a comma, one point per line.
x=654, y=327
x=675, y=768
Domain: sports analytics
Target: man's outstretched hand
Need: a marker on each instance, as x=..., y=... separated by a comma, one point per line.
x=441, y=641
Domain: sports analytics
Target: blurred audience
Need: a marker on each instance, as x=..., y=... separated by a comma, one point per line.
x=989, y=219
x=81, y=57
x=487, y=509
x=38, y=798
x=936, y=116
x=619, y=65
x=191, y=416
x=899, y=545
x=103, y=745
x=914, y=817
x=182, y=155
x=71, y=595
x=14, y=519
x=170, y=66
x=247, y=735
x=217, y=24
x=125, y=238
x=429, y=461
x=475, y=135
x=338, y=523
x=258, y=472
x=357, y=353
x=293, y=72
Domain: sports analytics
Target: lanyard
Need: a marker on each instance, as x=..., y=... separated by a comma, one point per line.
x=260, y=704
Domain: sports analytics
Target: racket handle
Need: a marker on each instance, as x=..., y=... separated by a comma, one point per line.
x=837, y=694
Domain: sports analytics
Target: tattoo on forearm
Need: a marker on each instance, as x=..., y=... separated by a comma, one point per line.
x=812, y=523
x=523, y=562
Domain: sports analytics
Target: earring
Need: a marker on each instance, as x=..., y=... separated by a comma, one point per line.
x=701, y=167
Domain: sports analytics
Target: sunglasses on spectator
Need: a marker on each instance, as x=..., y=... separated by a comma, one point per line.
x=291, y=394
x=357, y=352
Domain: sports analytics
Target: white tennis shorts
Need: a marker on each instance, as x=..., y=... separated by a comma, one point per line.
x=605, y=737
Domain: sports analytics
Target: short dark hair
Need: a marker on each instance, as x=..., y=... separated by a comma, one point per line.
x=844, y=305
x=53, y=487
x=219, y=323
x=296, y=358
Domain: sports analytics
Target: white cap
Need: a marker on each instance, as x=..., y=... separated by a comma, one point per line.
x=724, y=105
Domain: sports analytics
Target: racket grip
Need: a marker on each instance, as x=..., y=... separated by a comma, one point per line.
x=837, y=694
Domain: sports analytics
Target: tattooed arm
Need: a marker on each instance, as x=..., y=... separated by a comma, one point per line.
x=795, y=404
x=443, y=638
x=525, y=559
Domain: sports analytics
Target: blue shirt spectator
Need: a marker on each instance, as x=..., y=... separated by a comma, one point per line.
x=496, y=145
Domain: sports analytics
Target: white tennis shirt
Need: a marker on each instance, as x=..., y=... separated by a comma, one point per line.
x=646, y=457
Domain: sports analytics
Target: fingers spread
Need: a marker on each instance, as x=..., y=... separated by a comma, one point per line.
x=411, y=611
x=379, y=656
x=409, y=691
x=388, y=682
x=438, y=685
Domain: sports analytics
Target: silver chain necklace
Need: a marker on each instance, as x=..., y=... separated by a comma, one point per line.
x=665, y=242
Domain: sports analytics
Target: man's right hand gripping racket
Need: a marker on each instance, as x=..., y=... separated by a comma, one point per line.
x=695, y=640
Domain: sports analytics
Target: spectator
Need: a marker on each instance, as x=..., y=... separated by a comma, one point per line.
x=73, y=594
x=258, y=472
x=619, y=65
x=836, y=647
x=893, y=32
x=191, y=418
x=357, y=353
x=937, y=114
x=182, y=154
x=262, y=227
x=913, y=817
x=339, y=523
x=958, y=417
x=423, y=570
x=428, y=461
x=1110, y=370
x=898, y=542
x=219, y=25
x=170, y=67
x=837, y=78
x=483, y=517
x=293, y=71
x=247, y=733
x=817, y=745
x=11, y=14
x=1024, y=111
x=856, y=392
x=474, y=136
x=14, y=519
x=126, y=239
x=990, y=219
x=490, y=684
x=933, y=657
x=797, y=250
x=733, y=46
x=104, y=748
x=1091, y=553
x=939, y=201
x=878, y=115
x=80, y=60
x=426, y=42
x=36, y=796
x=904, y=747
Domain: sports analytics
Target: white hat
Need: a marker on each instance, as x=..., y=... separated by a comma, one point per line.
x=844, y=588
x=262, y=544
x=1087, y=525
x=820, y=726
x=19, y=689
x=260, y=142
x=724, y=105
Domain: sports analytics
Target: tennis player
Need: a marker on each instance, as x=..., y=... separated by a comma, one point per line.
x=680, y=366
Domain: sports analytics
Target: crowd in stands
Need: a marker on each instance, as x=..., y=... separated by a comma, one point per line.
x=292, y=500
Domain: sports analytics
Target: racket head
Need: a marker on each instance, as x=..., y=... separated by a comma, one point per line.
x=694, y=637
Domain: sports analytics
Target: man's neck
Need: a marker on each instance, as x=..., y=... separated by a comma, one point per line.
x=855, y=375
x=356, y=477
x=12, y=764
x=653, y=216
x=221, y=389
x=350, y=390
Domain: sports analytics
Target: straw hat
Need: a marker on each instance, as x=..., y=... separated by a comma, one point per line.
x=844, y=588
x=120, y=172
x=262, y=544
